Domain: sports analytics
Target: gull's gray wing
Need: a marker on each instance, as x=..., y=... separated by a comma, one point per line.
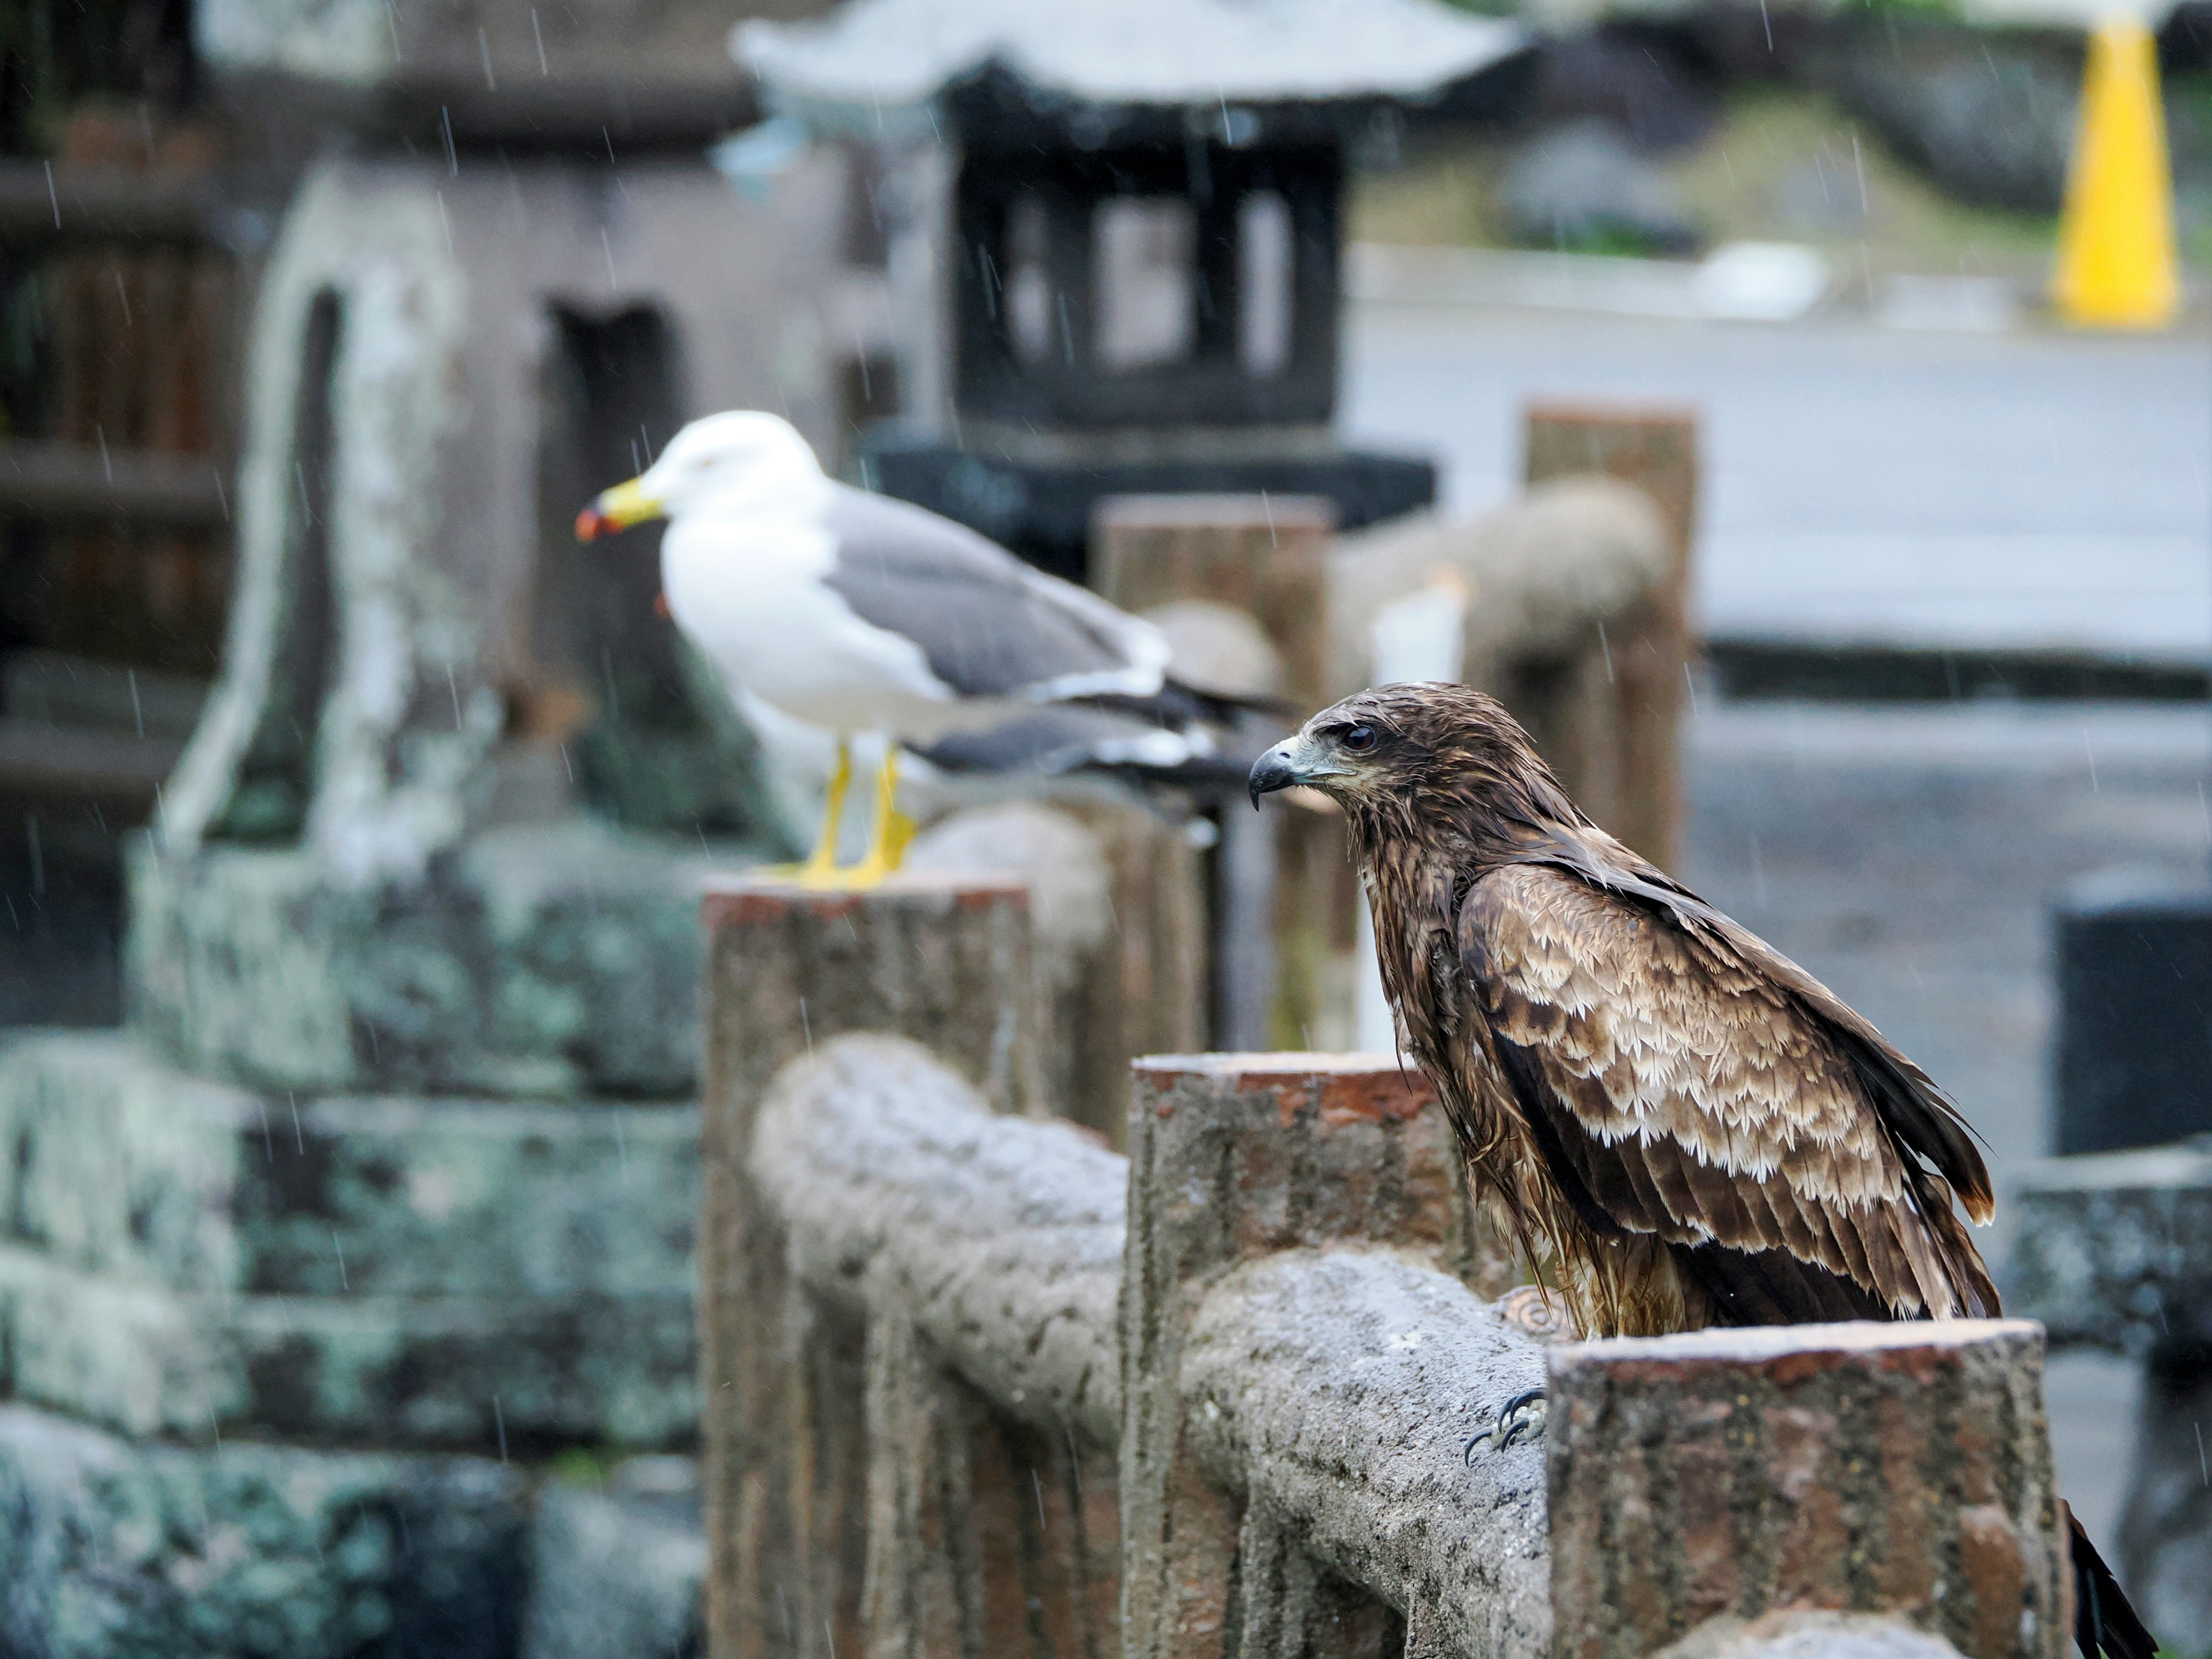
x=988, y=625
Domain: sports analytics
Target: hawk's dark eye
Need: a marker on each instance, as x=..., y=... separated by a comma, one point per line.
x=1360, y=738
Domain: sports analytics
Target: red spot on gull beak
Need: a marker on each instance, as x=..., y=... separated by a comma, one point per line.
x=591, y=524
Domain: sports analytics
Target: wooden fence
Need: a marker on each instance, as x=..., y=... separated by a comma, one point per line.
x=976, y=1384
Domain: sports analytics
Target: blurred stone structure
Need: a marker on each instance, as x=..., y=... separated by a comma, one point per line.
x=394, y=1172
x=1113, y=235
x=2114, y=1246
x=2133, y=955
x=2114, y=1250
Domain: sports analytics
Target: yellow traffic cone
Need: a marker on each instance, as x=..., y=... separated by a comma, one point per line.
x=2116, y=258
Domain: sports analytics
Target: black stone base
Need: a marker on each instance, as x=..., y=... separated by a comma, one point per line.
x=2135, y=1016
x=1042, y=510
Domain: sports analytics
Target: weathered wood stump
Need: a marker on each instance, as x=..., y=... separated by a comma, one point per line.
x=2114, y=1250
x=944, y=960
x=983, y=1256
x=1234, y=1158
x=1118, y=910
x=1286, y=905
x=1866, y=1468
x=1638, y=711
x=1263, y=555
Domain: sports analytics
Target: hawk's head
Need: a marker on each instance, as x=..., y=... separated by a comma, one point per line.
x=1411, y=747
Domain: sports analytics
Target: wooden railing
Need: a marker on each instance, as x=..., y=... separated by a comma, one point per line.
x=976, y=1384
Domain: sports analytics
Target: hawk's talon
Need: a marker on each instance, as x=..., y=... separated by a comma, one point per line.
x=1516, y=1412
x=1505, y=1431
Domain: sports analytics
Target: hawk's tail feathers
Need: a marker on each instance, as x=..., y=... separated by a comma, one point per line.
x=1969, y=1277
x=2105, y=1623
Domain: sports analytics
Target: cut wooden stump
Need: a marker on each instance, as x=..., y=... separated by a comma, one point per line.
x=1234, y=1158
x=1284, y=905
x=1867, y=1468
x=944, y=960
x=1645, y=660
x=1117, y=908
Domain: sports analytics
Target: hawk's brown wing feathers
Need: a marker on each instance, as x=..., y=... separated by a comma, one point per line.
x=1912, y=1108
x=1680, y=1087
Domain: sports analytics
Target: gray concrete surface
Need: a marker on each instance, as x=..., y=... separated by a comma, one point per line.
x=1863, y=484
x=1910, y=854
x=615, y=1574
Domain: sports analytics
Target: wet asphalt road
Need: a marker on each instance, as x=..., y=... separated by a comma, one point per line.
x=1860, y=483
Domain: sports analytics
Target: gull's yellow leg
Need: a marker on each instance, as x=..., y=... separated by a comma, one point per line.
x=893, y=830
x=820, y=869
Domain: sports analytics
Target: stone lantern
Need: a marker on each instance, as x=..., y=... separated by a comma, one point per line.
x=1116, y=234
x=393, y=1174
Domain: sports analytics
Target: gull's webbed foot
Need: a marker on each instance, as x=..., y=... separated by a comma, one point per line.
x=820, y=871
x=894, y=829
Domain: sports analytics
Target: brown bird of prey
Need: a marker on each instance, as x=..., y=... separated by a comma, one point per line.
x=1681, y=1126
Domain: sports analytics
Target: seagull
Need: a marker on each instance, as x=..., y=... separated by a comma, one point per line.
x=852, y=611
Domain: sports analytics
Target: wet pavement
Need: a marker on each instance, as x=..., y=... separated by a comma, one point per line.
x=2022, y=490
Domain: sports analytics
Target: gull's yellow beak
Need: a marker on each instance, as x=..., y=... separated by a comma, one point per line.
x=616, y=509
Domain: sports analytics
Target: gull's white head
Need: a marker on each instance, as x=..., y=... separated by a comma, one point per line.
x=743, y=461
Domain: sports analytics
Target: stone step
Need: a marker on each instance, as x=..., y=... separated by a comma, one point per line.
x=2116, y=1248
x=114, y=1162
x=112, y=1549
x=461, y=1373
x=616, y=1572
x=549, y=962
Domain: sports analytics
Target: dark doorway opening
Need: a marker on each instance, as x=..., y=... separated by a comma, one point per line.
x=277, y=779
x=656, y=744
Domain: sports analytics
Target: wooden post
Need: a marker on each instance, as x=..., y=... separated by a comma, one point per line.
x=1234, y=1156
x=1656, y=449
x=1118, y=917
x=1149, y=995
x=1264, y=555
x=986, y=1534
x=1282, y=912
x=1897, y=1469
x=945, y=960
x=984, y=1255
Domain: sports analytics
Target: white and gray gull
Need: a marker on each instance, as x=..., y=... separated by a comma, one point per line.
x=858, y=613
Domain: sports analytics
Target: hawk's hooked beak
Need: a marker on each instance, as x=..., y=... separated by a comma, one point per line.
x=616, y=509
x=1290, y=764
